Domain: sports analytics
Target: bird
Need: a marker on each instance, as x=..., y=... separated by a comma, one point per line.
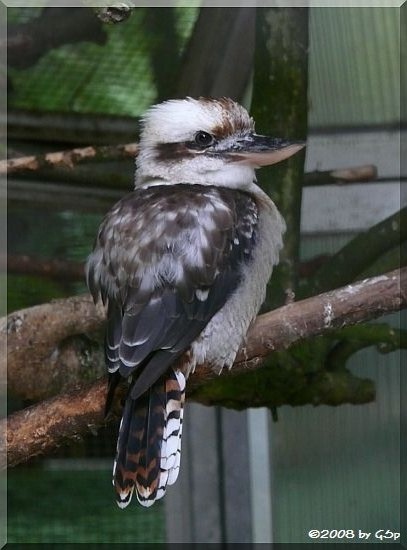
x=181, y=264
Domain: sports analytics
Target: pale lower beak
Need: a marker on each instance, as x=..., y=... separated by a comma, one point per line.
x=259, y=151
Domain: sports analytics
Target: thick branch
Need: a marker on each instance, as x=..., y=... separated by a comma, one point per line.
x=42, y=427
x=281, y=328
x=58, y=338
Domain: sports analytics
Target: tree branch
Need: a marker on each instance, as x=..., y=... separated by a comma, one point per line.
x=352, y=339
x=45, y=426
x=59, y=339
x=356, y=256
x=69, y=158
x=341, y=176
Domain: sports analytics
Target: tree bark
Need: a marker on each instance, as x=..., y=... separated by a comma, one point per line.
x=43, y=427
x=51, y=347
x=280, y=107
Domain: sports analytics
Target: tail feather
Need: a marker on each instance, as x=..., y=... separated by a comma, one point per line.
x=121, y=479
x=149, y=442
x=171, y=447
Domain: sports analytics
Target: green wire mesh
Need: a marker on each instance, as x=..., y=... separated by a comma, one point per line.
x=117, y=78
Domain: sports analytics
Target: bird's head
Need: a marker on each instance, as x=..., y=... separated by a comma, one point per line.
x=205, y=141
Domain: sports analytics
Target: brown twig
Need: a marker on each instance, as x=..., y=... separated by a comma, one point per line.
x=367, y=172
x=42, y=427
x=69, y=158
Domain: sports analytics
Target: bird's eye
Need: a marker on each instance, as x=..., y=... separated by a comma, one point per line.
x=203, y=139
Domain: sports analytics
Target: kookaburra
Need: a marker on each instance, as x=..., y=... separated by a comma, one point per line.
x=182, y=264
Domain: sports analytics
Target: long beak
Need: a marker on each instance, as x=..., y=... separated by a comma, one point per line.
x=259, y=151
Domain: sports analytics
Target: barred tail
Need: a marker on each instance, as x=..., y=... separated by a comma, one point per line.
x=149, y=443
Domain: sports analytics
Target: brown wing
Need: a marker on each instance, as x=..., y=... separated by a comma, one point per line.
x=166, y=259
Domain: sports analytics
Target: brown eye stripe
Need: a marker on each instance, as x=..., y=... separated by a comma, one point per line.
x=172, y=152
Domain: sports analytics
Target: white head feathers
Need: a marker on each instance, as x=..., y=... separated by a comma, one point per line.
x=168, y=154
x=178, y=120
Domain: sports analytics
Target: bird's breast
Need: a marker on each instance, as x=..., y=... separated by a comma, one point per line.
x=221, y=339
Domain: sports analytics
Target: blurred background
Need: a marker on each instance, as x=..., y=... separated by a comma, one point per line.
x=73, y=80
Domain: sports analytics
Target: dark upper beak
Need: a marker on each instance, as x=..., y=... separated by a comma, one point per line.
x=259, y=151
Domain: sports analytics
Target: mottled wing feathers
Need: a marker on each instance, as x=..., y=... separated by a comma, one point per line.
x=167, y=258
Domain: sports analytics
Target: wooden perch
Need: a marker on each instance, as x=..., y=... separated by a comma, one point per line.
x=46, y=334
x=43, y=427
